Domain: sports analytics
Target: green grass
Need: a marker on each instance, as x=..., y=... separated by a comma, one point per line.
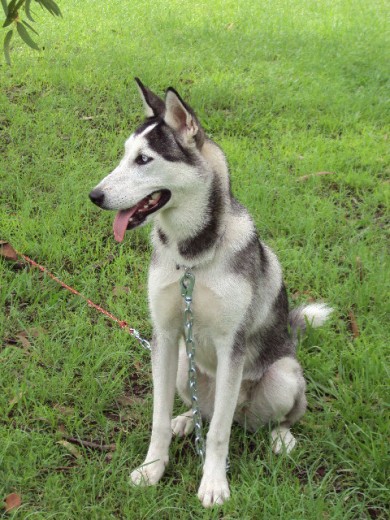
x=287, y=89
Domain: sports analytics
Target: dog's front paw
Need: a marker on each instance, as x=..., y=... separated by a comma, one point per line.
x=148, y=473
x=213, y=490
x=182, y=424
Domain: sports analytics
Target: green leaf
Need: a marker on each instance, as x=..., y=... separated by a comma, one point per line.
x=8, y=21
x=15, y=6
x=5, y=7
x=19, y=5
x=7, y=41
x=28, y=10
x=30, y=27
x=11, y=6
x=50, y=6
x=23, y=33
x=12, y=13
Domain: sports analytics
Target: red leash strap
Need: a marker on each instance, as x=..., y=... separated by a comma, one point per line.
x=121, y=323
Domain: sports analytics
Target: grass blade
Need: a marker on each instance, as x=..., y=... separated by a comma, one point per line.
x=23, y=33
x=7, y=41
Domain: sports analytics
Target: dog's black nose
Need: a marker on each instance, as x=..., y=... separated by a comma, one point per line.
x=97, y=197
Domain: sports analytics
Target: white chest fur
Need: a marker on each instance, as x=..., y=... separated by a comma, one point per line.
x=219, y=304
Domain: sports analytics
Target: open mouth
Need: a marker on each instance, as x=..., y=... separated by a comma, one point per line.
x=135, y=216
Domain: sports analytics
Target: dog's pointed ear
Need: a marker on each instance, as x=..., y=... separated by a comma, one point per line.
x=180, y=117
x=154, y=106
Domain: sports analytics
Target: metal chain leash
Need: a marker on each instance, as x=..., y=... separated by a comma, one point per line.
x=187, y=283
x=144, y=342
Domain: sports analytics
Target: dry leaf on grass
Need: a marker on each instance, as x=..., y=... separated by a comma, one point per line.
x=120, y=291
x=353, y=324
x=125, y=400
x=65, y=410
x=23, y=339
x=7, y=251
x=16, y=399
x=12, y=501
x=14, y=342
x=308, y=296
x=35, y=332
x=311, y=175
x=61, y=428
x=23, y=336
x=71, y=448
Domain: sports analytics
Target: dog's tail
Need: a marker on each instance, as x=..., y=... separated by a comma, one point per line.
x=314, y=314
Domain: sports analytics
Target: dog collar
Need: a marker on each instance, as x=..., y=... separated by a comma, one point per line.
x=185, y=267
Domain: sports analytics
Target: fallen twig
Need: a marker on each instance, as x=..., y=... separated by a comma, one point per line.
x=90, y=444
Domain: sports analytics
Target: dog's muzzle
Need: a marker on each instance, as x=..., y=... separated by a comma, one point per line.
x=97, y=197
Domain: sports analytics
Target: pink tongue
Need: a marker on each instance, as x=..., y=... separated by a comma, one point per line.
x=121, y=221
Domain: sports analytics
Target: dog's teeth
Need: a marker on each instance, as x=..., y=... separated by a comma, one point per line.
x=146, y=206
x=156, y=195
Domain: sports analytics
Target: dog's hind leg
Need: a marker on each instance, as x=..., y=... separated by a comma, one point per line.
x=183, y=424
x=279, y=397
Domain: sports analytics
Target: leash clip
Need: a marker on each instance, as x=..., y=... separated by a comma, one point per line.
x=187, y=283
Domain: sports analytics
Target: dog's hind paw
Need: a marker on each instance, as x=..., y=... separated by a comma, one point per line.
x=183, y=424
x=149, y=473
x=282, y=440
x=213, y=491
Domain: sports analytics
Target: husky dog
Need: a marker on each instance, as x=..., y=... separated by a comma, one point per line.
x=245, y=337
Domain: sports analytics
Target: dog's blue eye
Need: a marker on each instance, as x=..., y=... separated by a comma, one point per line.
x=143, y=159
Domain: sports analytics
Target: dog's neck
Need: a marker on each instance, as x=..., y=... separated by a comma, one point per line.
x=192, y=228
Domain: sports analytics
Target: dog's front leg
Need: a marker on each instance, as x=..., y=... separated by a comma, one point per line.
x=164, y=369
x=214, y=488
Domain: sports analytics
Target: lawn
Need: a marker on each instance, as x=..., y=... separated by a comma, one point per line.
x=288, y=89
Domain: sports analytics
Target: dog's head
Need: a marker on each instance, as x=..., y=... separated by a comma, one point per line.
x=159, y=156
